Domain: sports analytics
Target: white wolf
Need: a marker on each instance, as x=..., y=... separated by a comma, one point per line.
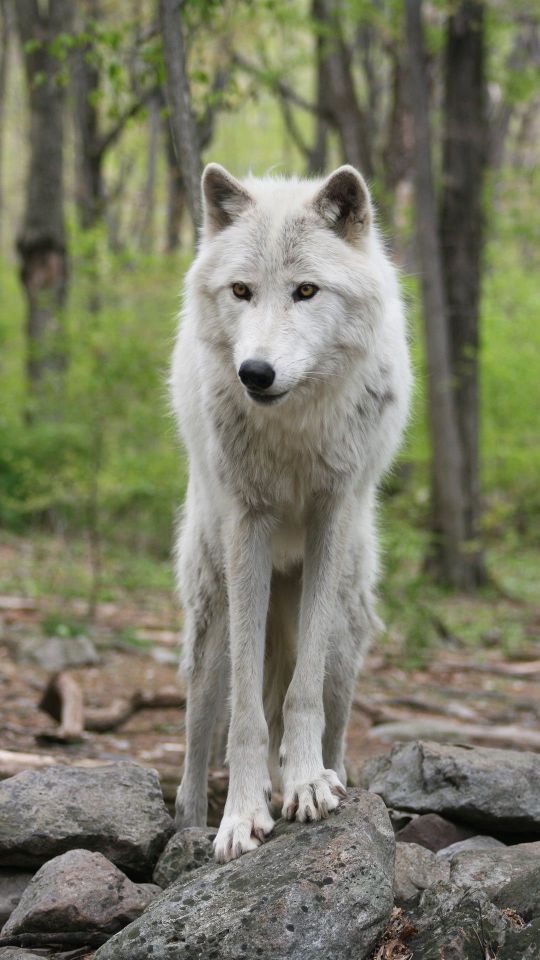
x=291, y=384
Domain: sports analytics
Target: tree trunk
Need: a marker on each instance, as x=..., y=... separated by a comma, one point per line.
x=181, y=118
x=149, y=195
x=318, y=153
x=89, y=189
x=176, y=197
x=5, y=32
x=348, y=116
x=449, y=532
x=461, y=238
x=42, y=240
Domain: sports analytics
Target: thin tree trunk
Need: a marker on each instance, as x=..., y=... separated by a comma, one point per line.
x=349, y=118
x=5, y=33
x=181, y=117
x=461, y=238
x=318, y=153
x=449, y=532
x=149, y=196
x=176, y=197
x=89, y=190
x=42, y=240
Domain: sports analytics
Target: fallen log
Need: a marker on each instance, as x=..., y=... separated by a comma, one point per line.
x=12, y=762
x=444, y=730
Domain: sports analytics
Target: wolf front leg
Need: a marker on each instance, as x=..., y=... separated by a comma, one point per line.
x=310, y=791
x=246, y=819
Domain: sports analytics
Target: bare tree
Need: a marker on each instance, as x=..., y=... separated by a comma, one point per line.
x=445, y=441
x=181, y=116
x=42, y=240
x=461, y=239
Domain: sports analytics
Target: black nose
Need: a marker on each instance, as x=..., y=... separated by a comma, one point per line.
x=256, y=374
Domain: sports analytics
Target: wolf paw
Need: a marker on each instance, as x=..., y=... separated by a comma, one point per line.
x=239, y=834
x=314, y=799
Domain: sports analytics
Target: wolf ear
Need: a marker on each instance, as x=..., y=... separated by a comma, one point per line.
x=224, y=198
x=344, y=204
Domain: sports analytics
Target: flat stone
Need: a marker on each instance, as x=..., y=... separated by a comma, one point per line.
x=56, y=653
x=510, y=877
x=416, y=870
x=117, y=810
x=498, y=790
x=12, y=885
x=316, y=890
x=478, y=842
x=432, y=832
x=78, y=891
x=188, y=850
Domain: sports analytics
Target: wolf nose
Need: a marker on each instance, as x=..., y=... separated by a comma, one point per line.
x=256, y=374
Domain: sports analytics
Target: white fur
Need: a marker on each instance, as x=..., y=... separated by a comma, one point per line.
x=277, y=553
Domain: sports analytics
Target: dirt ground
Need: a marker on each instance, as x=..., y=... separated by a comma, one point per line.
x=480, y=698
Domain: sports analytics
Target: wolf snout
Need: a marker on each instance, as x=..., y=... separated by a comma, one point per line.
x=256, y=374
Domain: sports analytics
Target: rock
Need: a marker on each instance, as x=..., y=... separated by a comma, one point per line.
x=77, y=892
x=478, y=842
x=432, y=832
x=16, y=953
x=321, y=889
x=416, y=870
x=57, y=653
x=117, y=810
x=510, y=877
x=187, y=850
x=456, y=924
x=521, y=944
x=498, y=789
x=12, y=885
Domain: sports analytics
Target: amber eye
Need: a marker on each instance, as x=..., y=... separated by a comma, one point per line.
x=305, y=291
x=241, y=291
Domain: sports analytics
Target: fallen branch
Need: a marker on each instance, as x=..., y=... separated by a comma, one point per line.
x=443, y=730
x=528, y=668
x=63, y=701
x=12, y=763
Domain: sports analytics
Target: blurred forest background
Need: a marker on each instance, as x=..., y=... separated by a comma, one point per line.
x=108, y=110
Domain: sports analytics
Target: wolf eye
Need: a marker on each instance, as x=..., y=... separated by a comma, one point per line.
x=305, y=291
x=241, y=291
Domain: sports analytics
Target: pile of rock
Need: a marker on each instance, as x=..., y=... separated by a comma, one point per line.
x=437, y=857
x=468, y=848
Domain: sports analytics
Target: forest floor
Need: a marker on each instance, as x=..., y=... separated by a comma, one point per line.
x=482, y=693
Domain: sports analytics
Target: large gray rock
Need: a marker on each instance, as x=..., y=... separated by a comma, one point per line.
x=187, y=850
x=497, y=789
x=510, y=877
x=457, y=924
x=479, y=842
x=416, y=870
x=323, y=889
x=77, y=892
x=12, y=885
x=117, y=810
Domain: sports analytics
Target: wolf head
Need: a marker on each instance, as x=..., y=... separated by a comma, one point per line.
x=289, y=278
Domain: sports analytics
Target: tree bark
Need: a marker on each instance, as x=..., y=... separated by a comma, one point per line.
x=461, y=238
x=176, y=197
x=5, y=34
x=42, y=241
x=89, y=189
x=348, y=116
x=447, y=465
x=181, y=117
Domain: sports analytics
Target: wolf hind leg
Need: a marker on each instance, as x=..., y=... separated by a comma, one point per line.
x=347, y=648
x=282, y=625
x=206, y=665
